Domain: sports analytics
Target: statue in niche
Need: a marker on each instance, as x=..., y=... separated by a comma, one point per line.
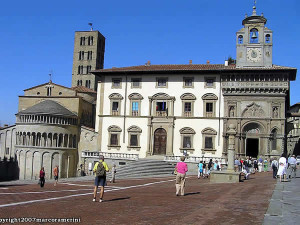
x=231, y=111
x=275, y=112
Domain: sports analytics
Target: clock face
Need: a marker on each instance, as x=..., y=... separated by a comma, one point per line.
x=254, y=54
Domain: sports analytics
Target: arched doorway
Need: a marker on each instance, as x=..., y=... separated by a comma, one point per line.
x=252, y=132
x=160, y=142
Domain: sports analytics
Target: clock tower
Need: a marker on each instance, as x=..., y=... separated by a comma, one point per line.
x=254, y=42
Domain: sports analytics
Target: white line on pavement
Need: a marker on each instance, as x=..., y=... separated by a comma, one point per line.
x=76, y=195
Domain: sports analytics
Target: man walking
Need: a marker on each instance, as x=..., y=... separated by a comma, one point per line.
x=274, y=166
x=100, y=170
x=292, y=165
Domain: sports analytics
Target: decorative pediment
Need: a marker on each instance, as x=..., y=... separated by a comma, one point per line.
x=136, y=96
x=135, y=129
x=115, y=96
x=187, y=130
x=209, y=130
x=253, y=110
x=114, y=128
x=162, y=96
x=188, y=96
x=209, y=96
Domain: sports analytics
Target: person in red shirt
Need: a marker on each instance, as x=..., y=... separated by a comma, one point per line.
x=42, y=177
x=55, y=173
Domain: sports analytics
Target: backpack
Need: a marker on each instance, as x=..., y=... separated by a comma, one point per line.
x=100, y=171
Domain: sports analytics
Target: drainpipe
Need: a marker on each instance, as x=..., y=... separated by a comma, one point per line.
x=125, y=103
x=220, y=94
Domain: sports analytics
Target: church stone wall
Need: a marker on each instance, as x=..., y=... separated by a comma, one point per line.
x=56, y=90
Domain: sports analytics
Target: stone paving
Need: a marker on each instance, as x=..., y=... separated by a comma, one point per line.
x=142, y=201
x=284, y=205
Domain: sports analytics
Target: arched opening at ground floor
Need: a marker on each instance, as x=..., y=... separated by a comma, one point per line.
x=252, y=147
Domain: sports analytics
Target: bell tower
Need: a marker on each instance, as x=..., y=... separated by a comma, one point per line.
x=254, y=42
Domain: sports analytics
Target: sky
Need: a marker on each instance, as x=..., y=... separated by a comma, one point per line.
x=38, y=37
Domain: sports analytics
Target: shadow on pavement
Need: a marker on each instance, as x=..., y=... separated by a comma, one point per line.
x=192, y=193
x=11, y=185
x=117, y=199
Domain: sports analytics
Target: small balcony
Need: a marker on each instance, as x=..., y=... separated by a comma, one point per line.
x=161, y=113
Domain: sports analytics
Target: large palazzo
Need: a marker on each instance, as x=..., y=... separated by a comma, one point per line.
x=153, y=110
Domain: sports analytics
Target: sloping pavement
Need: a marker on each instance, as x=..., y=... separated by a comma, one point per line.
x=284, y=205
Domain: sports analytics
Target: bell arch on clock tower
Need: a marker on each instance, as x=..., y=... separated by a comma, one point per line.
x=254, y=42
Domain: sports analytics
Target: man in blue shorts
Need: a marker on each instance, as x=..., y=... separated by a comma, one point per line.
x=100, y=170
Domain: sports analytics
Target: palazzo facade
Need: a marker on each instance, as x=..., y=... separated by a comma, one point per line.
x=186, y=109
x=146, y=110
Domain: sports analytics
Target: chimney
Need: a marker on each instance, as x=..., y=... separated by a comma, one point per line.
x=207, y=62
x=190, y=62
x=226, y=63
x=5, y=125
x=148, y=63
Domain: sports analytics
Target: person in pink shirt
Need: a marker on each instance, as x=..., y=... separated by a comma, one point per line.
x=181, y=168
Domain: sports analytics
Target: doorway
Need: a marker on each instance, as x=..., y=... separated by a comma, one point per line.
x=160, y=142
x=252, y=147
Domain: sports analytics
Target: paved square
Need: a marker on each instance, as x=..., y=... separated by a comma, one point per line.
x=143, y=201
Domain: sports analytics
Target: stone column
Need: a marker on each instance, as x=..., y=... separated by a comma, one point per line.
x=231, y=147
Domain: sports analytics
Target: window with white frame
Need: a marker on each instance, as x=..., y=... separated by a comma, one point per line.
x=210, y=82
x=134, y=133
x=188, y=100
x=208, y=139
x=115, y=103
x=161, y=82
x=114, y=137
x=135, y=104
x=209, y=105
x=188, y=82
x=136, y=82
x=116, y=83
x=187, y=136
x=160, y=104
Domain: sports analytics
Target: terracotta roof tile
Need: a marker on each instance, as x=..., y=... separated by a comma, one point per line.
x=184, y=67
x=83, y=89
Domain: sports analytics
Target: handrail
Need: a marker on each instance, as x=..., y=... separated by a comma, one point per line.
x=110, y=155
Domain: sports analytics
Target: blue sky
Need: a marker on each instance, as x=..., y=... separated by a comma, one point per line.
x=38, y=36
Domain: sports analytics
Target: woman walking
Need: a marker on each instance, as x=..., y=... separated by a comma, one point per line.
x=181, y=168
x=282, y=167
x=42, y=177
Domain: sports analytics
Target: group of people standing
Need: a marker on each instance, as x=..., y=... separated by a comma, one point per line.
x=204, y=168
x=42, y=176
x=284, y=168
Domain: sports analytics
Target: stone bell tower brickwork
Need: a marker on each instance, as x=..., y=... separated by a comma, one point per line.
x=89, y=48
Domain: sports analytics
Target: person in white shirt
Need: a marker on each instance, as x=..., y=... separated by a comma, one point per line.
x=292, y=166
x=282, y=167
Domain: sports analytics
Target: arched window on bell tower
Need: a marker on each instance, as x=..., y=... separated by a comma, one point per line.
x=268, y=39
x=253, y=36
x=240, y=39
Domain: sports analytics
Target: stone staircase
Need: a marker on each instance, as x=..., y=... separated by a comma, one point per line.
x=144, y=168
